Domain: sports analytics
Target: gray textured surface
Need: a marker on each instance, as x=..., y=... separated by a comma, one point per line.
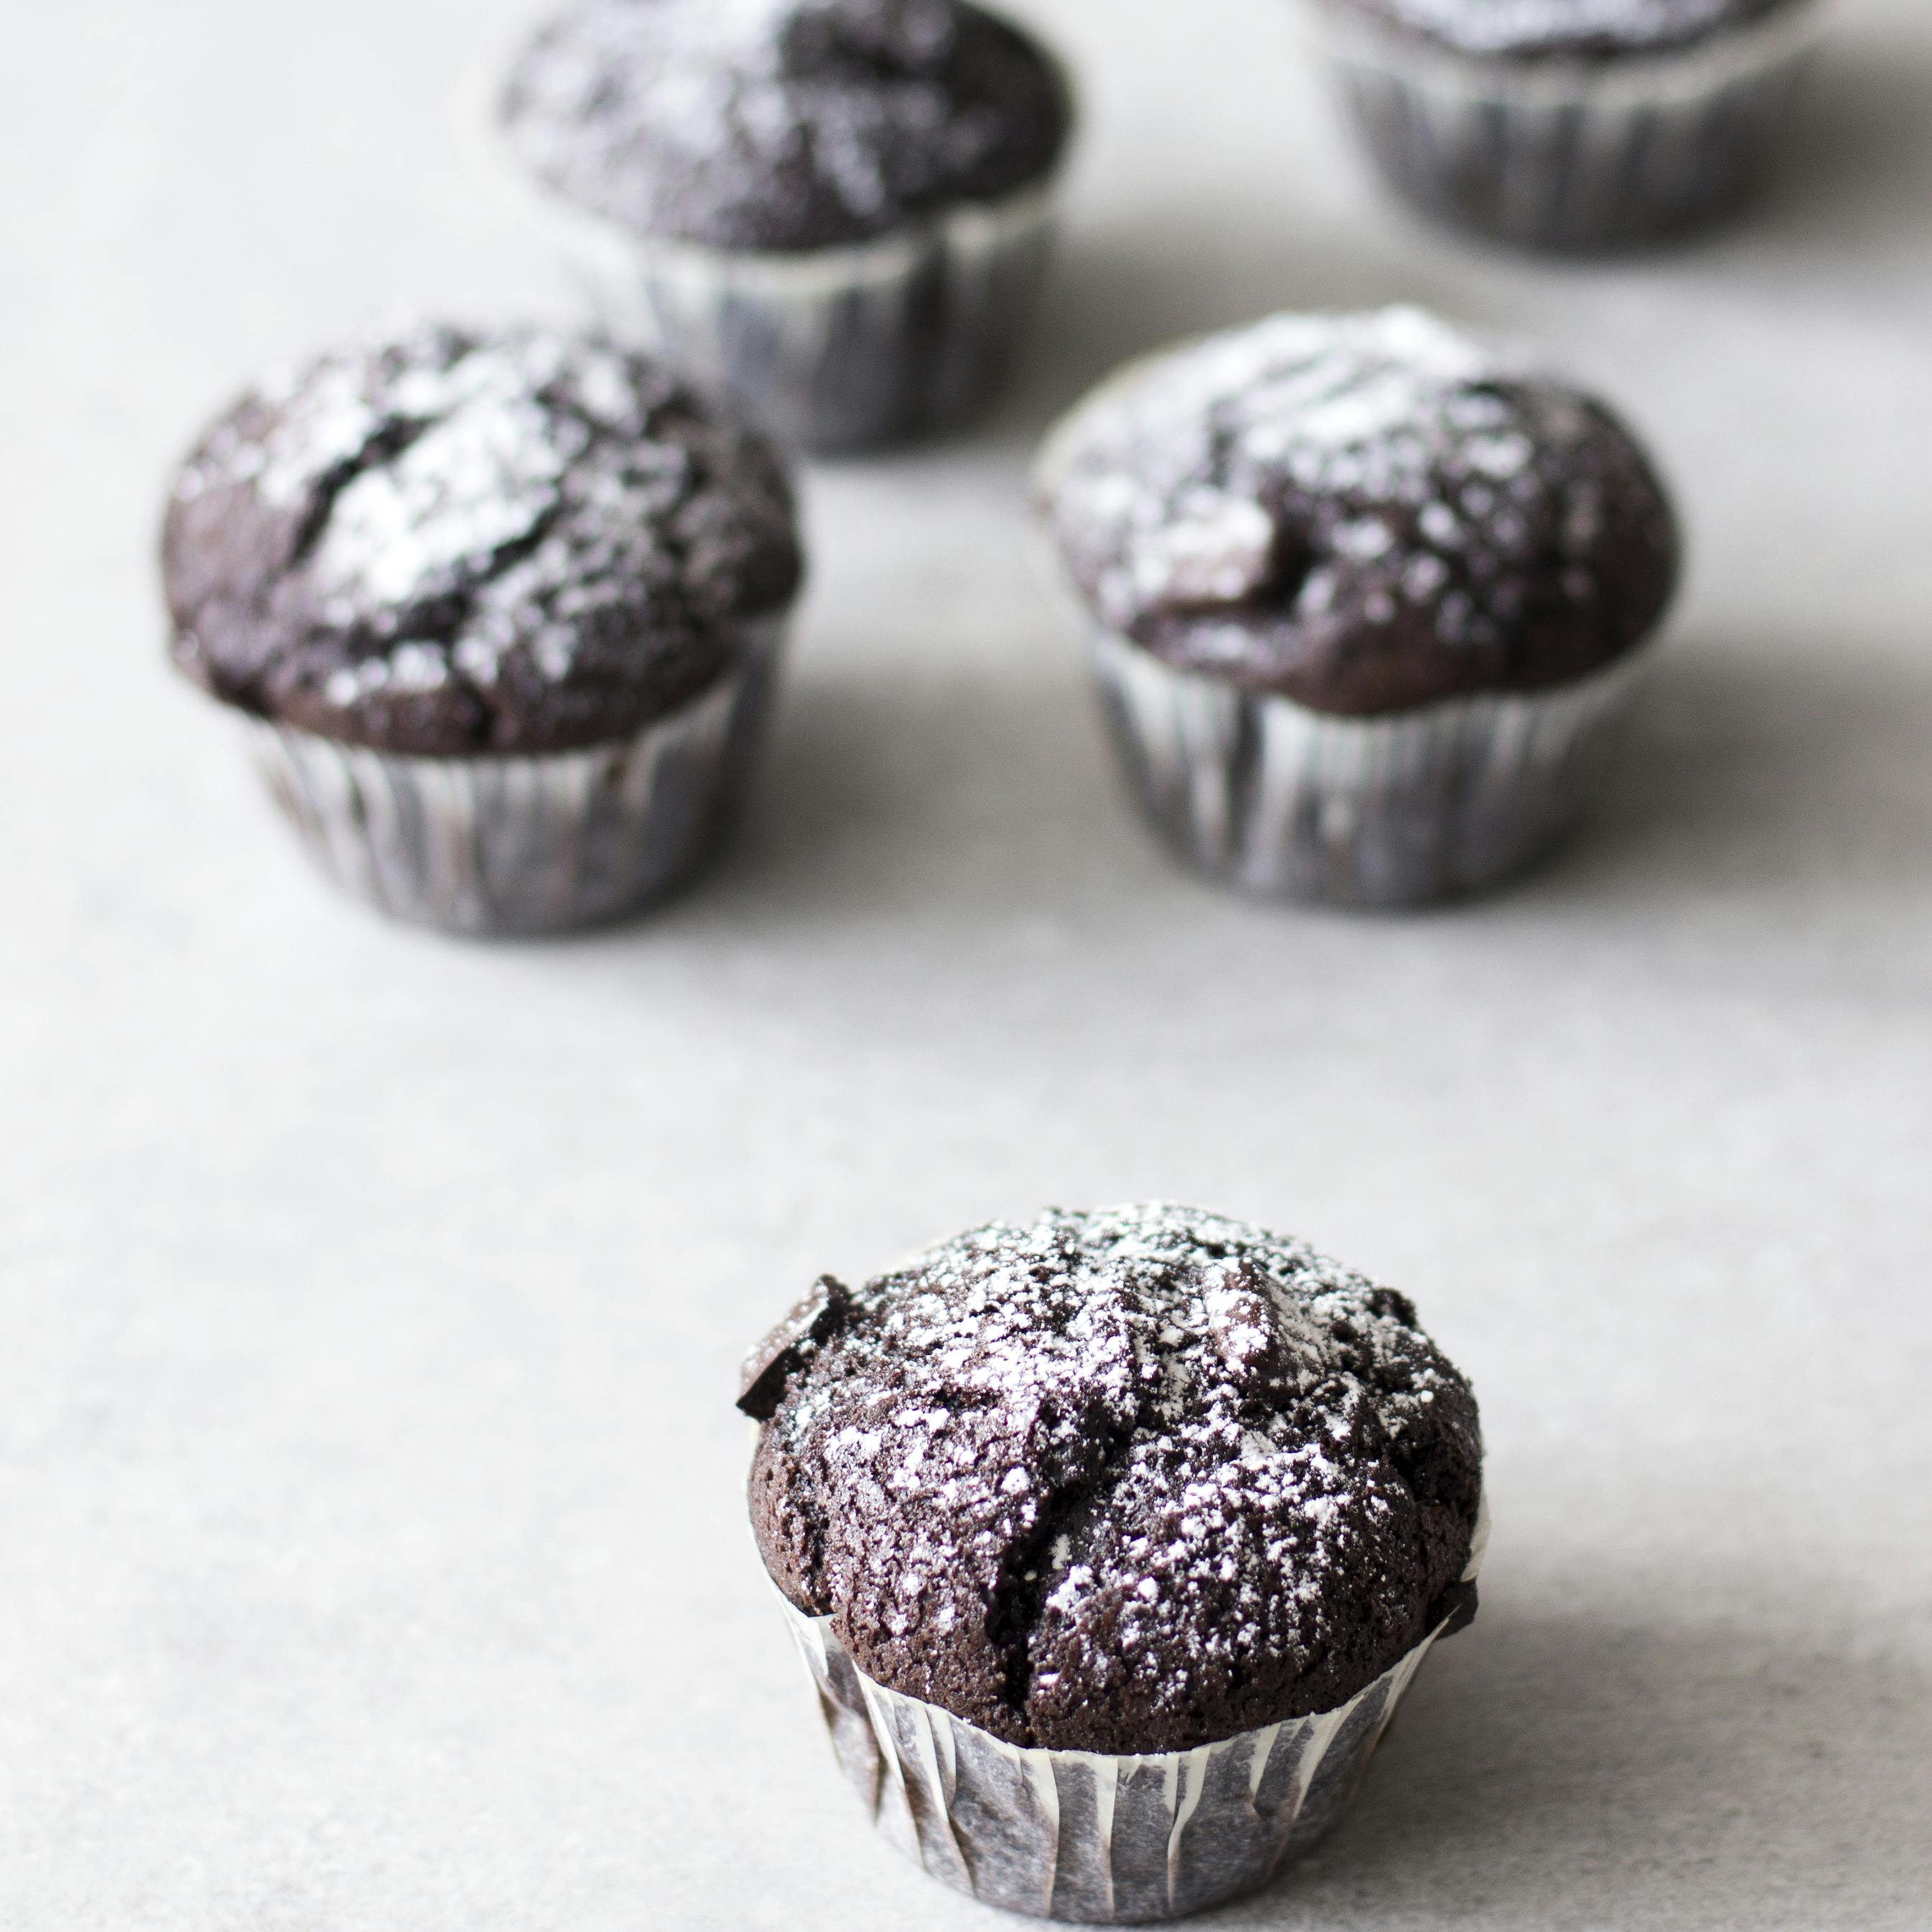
x=370, y=1552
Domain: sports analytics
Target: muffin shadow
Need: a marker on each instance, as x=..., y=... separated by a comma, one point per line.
x=1772, y=1768
x=965, y=797
x=1858, y=151
x=1745, y=778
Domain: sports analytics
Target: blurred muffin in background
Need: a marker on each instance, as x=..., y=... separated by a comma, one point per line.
x=1572, y=124
x=1368, y=598
x=502, y=610
x=840, y=209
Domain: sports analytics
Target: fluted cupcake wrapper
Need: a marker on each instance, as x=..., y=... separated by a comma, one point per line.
x=1567, y=153
x=525, y=844
x=1398, y=810
x=833, y=348
x=1077, y=1836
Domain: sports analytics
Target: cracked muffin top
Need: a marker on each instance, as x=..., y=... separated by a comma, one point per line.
x=1128, y=1481
x=1363, y=513
x=783, y=124
x=1568, y=29
x=456, y=543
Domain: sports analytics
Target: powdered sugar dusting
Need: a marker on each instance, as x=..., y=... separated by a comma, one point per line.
x=781, y=124
x=478, y=481
x=1296, y=498
x=1578, y=26
x=1147, y=1453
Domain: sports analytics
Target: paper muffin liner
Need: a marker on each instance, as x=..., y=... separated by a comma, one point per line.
x=525, y=844
x=1569, y=154
x=832, y=349
x=1086, y=1837
x=1398, y=810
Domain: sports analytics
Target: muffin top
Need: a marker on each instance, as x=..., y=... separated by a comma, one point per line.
x=1361, y=512
x=1574, y=29
x=783, y=124
x=454, y=543
x=1127, y=1481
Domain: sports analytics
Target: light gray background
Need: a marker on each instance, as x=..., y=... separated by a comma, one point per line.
x=371, y=1549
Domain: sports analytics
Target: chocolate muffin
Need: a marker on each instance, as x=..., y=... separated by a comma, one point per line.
x=501, y=607
x=1569, y=124
x=1367, y=595
x=1141, y=1484
x=840, y=208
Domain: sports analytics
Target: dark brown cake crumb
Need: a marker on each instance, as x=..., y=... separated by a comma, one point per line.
x=457, y=542
x=1363, y=513
x=783, y=124
x=1127, y=1481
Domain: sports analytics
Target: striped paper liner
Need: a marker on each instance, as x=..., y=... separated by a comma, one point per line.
x=1569, y=154
x=1084, y=1837
x=1397, y=810
x=493, y=845
x=833, y=348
